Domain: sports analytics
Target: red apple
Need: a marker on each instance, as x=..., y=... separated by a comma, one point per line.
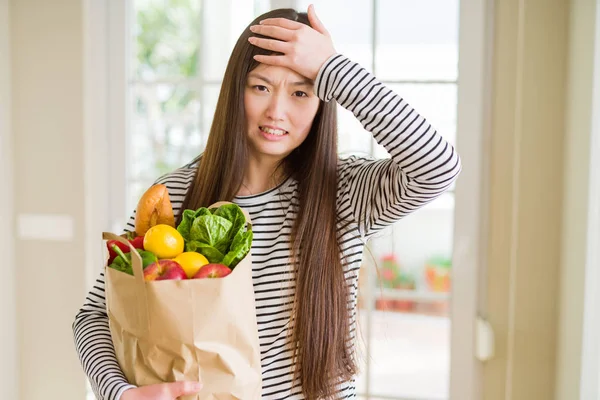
x=212, y=271
x=164, y=269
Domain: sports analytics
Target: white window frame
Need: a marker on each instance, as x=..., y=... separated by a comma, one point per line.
x=106, y=72
x=590, y=350
x=471, y=195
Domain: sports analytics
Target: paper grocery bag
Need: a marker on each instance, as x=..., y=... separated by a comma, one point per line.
x=198, y=329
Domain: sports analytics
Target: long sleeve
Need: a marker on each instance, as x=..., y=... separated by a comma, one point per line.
x=377, y=193
x=94, y=344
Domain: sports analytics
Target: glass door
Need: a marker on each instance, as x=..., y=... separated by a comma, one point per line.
x=406, y=279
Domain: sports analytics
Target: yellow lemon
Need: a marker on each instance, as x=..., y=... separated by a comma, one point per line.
x=191, y=262
x=164, y=241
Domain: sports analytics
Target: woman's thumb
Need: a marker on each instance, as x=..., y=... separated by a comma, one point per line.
x=184, y=388
x=315, y=22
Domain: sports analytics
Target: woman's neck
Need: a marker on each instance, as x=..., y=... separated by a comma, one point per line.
x=260, y=176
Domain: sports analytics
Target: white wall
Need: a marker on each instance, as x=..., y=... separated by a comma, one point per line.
x=47, y=122
x=8, y=338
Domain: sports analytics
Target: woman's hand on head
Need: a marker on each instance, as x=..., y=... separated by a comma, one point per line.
x=304, y=49
x=162, y=391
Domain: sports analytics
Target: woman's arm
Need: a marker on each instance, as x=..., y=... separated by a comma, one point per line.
x=95, y=348
x=422, y=165
x=94, y=345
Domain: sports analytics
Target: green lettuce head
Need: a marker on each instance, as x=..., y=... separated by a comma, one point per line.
x=219, y=234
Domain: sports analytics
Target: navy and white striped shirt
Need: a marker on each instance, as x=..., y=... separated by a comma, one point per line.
x=371, y=194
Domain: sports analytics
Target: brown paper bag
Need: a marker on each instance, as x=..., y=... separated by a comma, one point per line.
x=198, y=329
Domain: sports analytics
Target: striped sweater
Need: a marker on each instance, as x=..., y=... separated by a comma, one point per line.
x=371, y=194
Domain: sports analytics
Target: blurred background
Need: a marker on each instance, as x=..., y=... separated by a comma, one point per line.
x=489, y=292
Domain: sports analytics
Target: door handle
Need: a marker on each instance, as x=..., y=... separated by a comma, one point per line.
x=484, y=340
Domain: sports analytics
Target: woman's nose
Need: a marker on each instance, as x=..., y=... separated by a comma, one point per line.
x=276, y=109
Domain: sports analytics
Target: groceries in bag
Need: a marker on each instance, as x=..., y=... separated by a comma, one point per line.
x=167, y=321
x=208, y=243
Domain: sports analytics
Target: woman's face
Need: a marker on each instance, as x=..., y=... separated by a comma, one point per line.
x=280, y=107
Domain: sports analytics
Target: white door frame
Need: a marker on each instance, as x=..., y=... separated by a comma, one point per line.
x=95, y=123
x=105, y=112
x=9, y=386
x=471, y=195
x=590, y=350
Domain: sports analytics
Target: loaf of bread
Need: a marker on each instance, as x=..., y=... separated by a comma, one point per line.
x=154, y=208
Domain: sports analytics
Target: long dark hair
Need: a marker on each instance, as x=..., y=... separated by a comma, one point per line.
x=321, y=325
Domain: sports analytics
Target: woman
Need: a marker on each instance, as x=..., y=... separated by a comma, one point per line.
x=272, y=150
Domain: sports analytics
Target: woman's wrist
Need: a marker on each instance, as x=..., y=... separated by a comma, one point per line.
x=121, y=392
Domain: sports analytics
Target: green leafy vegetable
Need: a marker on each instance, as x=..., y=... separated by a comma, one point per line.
x=123, y=261
x=233, y=213
x=219, y=234
x=239, y=248
x=188, y=218
x=212, y=254
x=212, y=230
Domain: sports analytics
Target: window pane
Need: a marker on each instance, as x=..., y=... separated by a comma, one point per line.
x=352, y=138
x=436, y=102
x=414, y=43
x=166, y=38
x=223, y=23
x=410, y=335
x=164, y=130
x=410, y=356
x=424, y=235
x=341, y=18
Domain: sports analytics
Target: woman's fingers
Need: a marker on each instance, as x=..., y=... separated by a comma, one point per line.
x=269, y=44
x=315, y=23
x=282, y=22
x=184, y=388
x=280, y=61
x=274, y=31
x=162, y=391
x=304, y=48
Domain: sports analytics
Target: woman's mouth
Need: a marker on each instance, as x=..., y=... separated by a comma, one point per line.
x=272, y=133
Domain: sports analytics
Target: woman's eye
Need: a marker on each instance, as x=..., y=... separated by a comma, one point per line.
x=300, y=93
x=260, y=88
